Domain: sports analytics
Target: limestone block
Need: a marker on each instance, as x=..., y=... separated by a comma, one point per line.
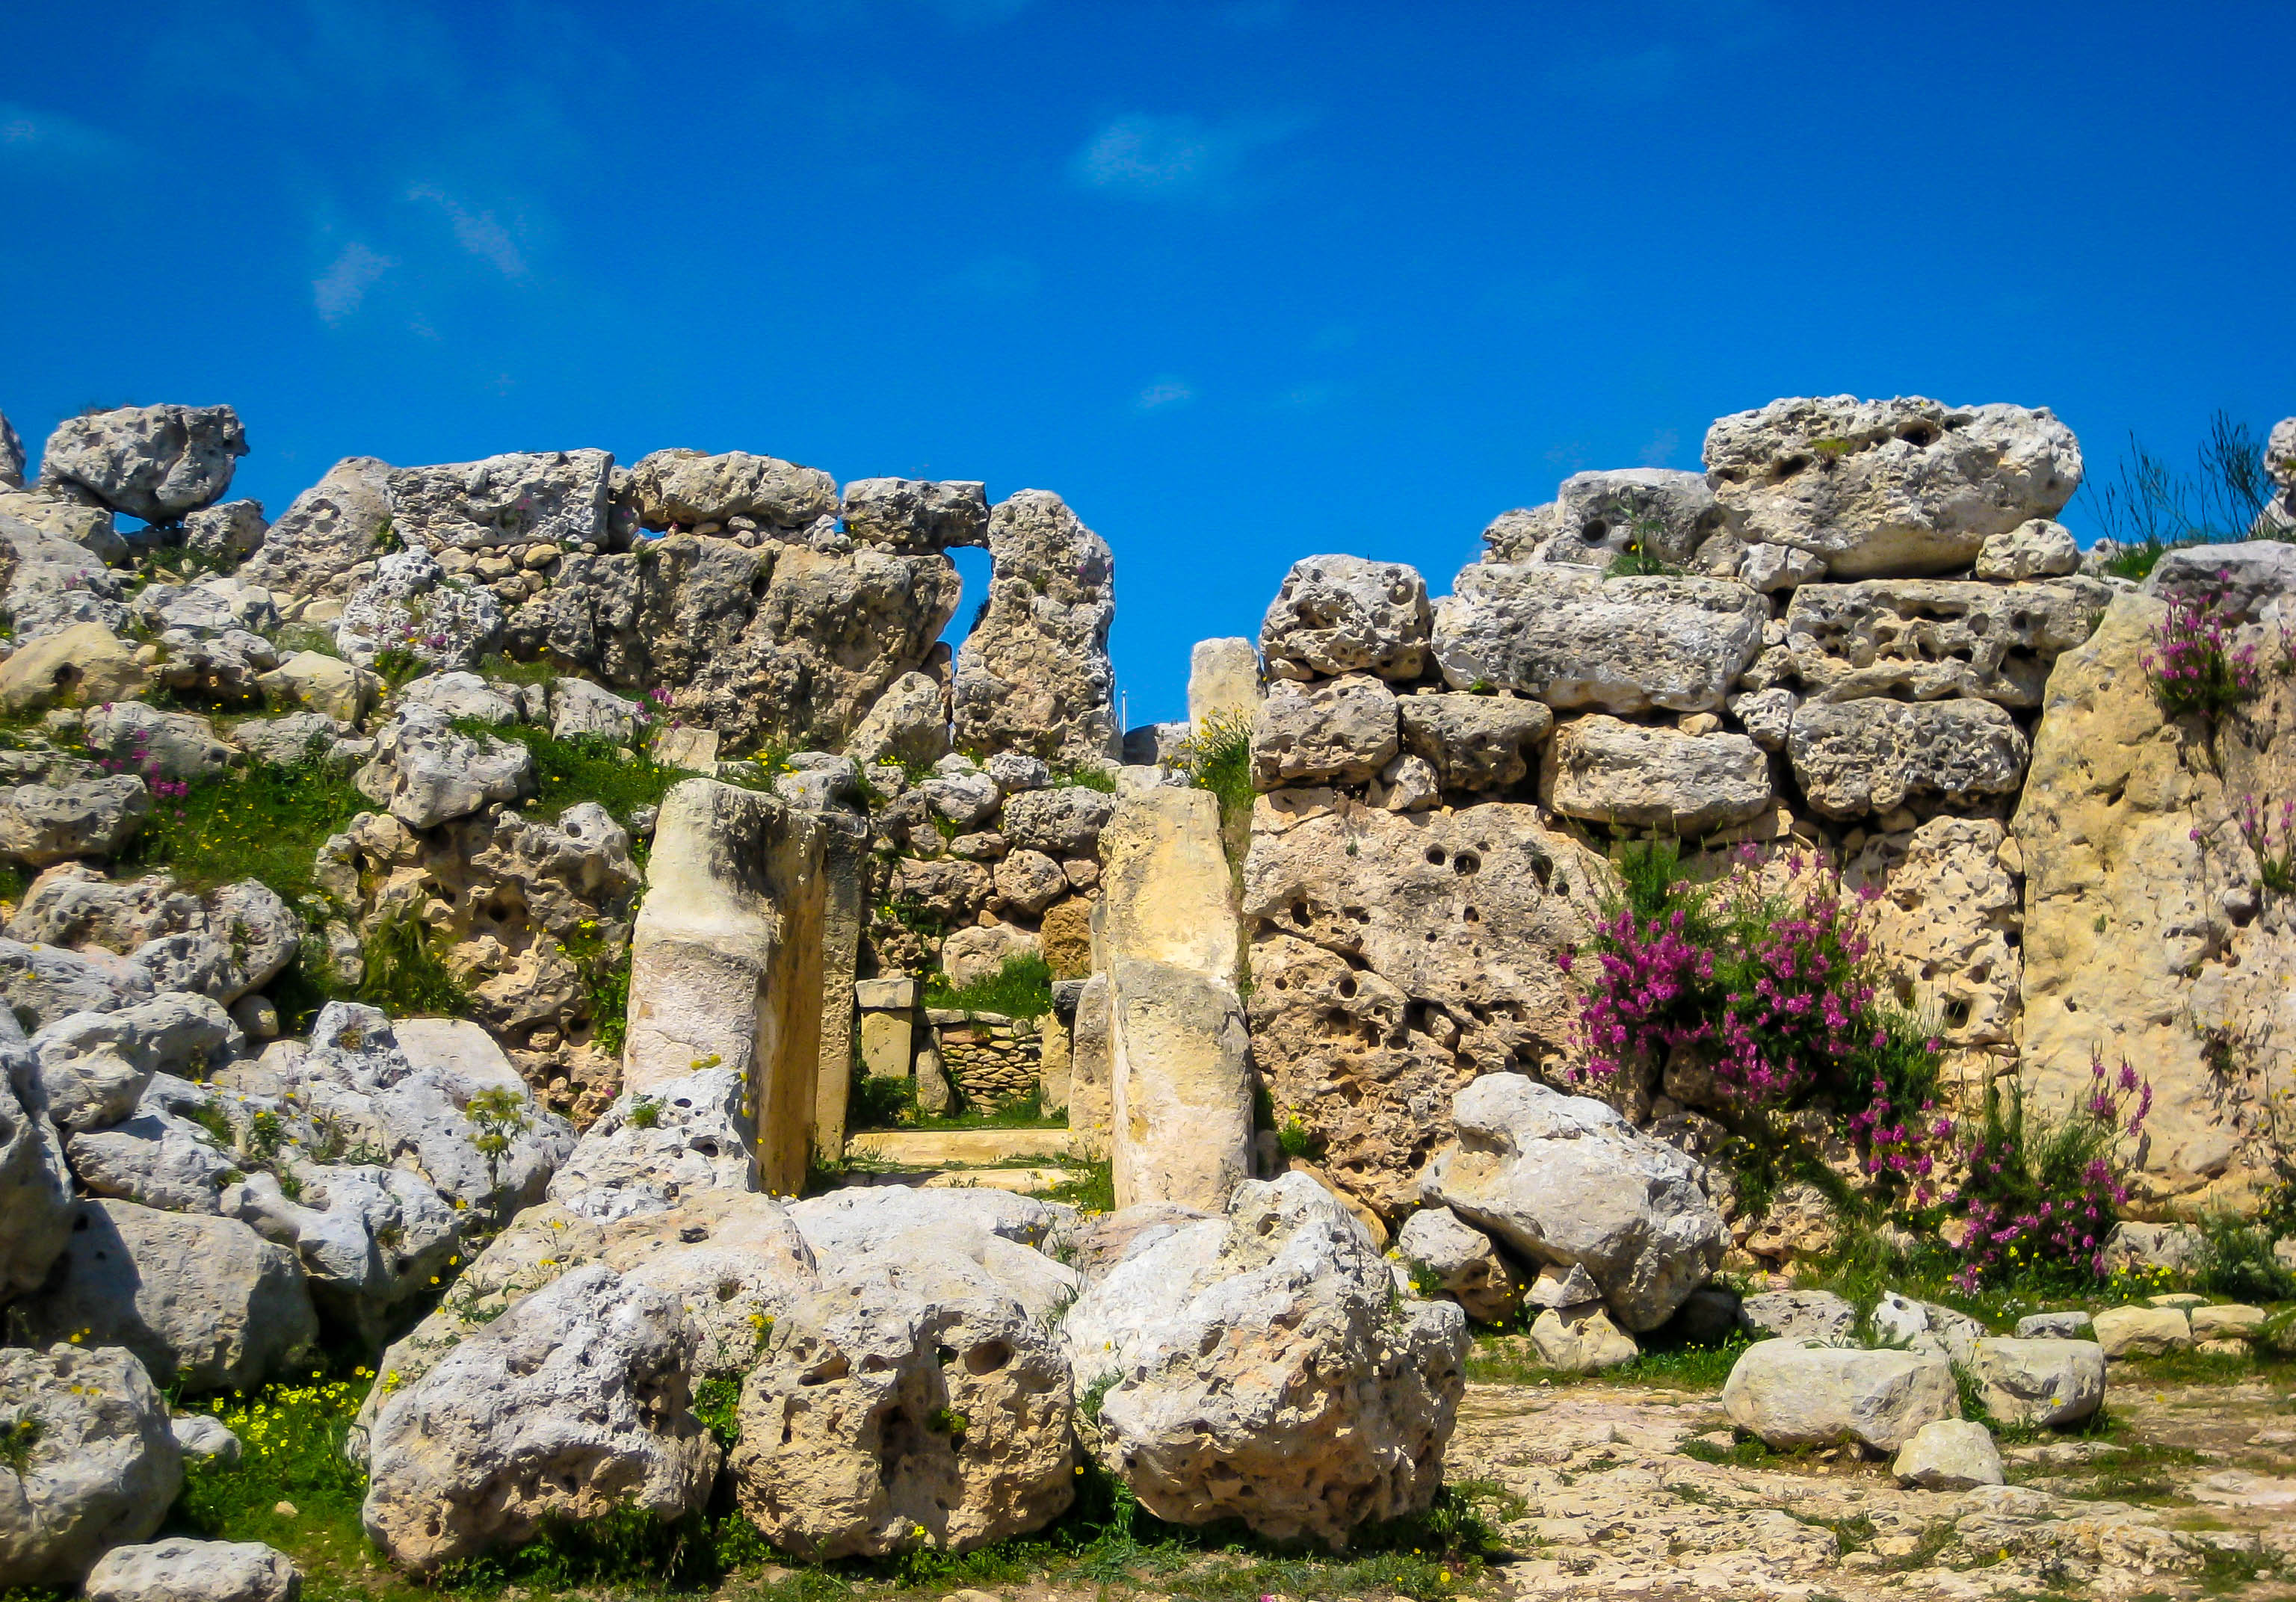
x=2051, y=1383
x=1224, y=682
x=1580, y=1339
x=2143, y=1331
x=1340, y=730
x=1951, y=1454
x=1889, y=487
x=104, y=1471
x=1475, y=742
x=886, y=1043
x=1853, y=757
x=1608, y=771
x=153, y=462
x=2038, y=549
x=1345, y=614
x=1790, y=1394
x=1034, y=675
x=1573, y=639
x=1924, y=639
x=1181, y=1084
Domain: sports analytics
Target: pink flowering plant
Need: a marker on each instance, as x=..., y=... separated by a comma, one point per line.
x=2270, y=832
x=2194, y=666
x=2037, y=1197
x=1773, y=993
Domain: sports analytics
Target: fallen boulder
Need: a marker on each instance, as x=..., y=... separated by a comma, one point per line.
x=99, y=1466
x=1788, y=1395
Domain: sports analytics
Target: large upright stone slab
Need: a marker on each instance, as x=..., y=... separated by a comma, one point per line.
x=844, y=874
x=1034, y=675
x=1887, y=487
x=1224, y=682
x=1572, y=638
x=2140, y=941
x=725, y=964
x=1165, y=935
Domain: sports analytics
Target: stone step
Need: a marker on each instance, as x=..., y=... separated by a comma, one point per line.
x=1023, y=1181
x=949, y=1148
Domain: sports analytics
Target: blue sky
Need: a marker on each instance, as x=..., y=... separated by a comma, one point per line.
x=1243, y=280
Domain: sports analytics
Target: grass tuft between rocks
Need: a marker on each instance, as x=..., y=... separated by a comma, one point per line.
x=294, y=1490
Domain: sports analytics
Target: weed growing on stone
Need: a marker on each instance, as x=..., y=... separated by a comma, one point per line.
x=2193, y=667
x=587, y=767
x=1094, y=1192
x=404, y=975
x=2275, y=860
x=1216, y=756
x=1021, y=988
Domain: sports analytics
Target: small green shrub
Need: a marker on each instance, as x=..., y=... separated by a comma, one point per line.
x=1093, y=1192
x=879, y=1103
x=1021, y=988
x=1216, y=756
x=645, y=1113
x=1089, y=777
x=587, y=767
x=716, y=1402
x=1639, y=560
x=19, y=1438
x=264, y=821
x=403, y=975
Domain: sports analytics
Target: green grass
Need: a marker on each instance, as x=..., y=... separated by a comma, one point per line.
x=263, y=821
x=403, y=975
x=1505, y=1360
x=1093, y=1192
x=589, y=767
x=1021, y=988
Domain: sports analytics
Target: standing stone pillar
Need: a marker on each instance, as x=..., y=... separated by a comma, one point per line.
x=1166, y=933
x=888, y=1009
x=845, y=846
x=1091, y=1108
x=1224, y=681
x=726, y=965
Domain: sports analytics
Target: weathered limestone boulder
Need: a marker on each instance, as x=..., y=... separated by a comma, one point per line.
x=1464, y=1261
x=12, y=455
x=725, y=960
x=84, y=665
x=550, y=497
x=1924, y=639
x=101, y=1473
x=427, y=772
x=1361, y=1025
x=36, y=1206
x=1034, y=673
x=573, y=1404
x=1641, y=777
x=411, y=605
x=781, y=644
x=1346, y=614
x=1473, y=742
x=1769, y=569
x=2038, y=549
x=1224, y=682
x=1853, y=757
x=40, y=983
x=1030, y=881
x=2051, y=1383
x=1580, y=1339
x=1800, y=1316
x=203, y=1439
x=157, y=1158
x=225, y=534
x=42, y=824
x=908, y=724
x=1180, y=1071
x=1894, y=486
x=686, y=488
x=1663, y=512
x=222, y=944
x=1519, y=536
x=1340, y=731
x=657, y=1148
x=1951, y=1454
x=175, y=1570
x=1572, y=638
x=153, y=462
x=2241, y=581
x=914, y=1401
x=2140, y=940
x=2143, y=1331
x=204, y=1301
x=2072, y=1325
x=326, y=531
x=1927, y=1329
x=1945, y=925
x=1565, y=1180
x=582, y=710
x=320, y=683
x=55, y=579
x=962, y=793
x=90, y=1068
x=1788, y=1394
x=168, y=745
x=973, y=954
x=916, y=514
x=1259, y=1365
x=1064, y=822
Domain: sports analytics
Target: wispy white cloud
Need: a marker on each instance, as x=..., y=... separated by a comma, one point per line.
x=337, y=291
x=1164, y=393
x=1173, y=157
x=31, y=136
x=480, y=232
